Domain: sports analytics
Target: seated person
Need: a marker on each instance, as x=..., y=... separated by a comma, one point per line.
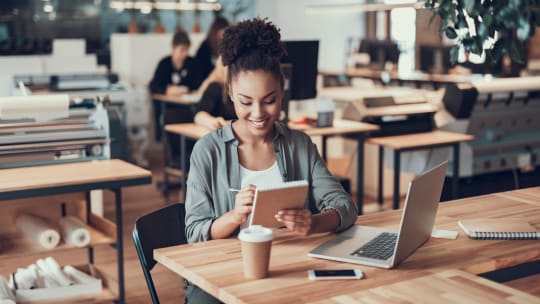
x=175, y=75
x=208, y=51
x=215, y=107
x=257, y=150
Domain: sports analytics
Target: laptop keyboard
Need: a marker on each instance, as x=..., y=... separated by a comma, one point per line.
x=380, y=248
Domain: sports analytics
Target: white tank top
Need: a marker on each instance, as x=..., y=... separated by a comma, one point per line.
x=263, y=178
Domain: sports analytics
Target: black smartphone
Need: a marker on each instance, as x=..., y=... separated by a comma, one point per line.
x=335, y=274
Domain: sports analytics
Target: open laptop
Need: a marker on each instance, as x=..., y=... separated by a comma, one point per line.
x=383, y=248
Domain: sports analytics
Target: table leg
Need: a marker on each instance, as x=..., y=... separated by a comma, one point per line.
x=360, y=176
x=88, y=212
x=380, y=176
x=324, y=138
x=183, y=165
x=397, y=169
x=455, y=172
x=165, y=148
x=119, y=244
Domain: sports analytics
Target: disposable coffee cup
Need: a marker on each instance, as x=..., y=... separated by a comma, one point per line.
x=256, y=245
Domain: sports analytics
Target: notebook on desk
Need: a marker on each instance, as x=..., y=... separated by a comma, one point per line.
x=383, y=248
x=499, y=229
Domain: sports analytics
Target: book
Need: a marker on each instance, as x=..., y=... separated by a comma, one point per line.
x=269, y=200
x=499, y=229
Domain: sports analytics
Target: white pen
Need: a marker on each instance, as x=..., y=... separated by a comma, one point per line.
x=233, y=190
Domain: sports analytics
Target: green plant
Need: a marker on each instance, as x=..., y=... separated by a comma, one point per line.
x=497, y=27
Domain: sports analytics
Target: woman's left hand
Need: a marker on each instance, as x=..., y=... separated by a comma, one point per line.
x=296, y=220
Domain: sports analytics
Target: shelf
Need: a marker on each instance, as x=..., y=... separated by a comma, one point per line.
x=102, y=231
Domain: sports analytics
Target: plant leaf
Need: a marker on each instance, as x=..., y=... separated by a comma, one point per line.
x=454, y=52
x=516, y=51
x=498, y=50
x=450, y=33
x=523, y=30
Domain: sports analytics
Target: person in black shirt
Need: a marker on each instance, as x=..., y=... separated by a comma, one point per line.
x=209, y=50
x=175, y=75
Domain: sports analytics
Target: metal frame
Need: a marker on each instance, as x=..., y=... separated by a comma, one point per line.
x=397, y=170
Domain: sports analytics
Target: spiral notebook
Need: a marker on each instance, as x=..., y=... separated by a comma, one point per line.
x=499, y=229
x=268, y=201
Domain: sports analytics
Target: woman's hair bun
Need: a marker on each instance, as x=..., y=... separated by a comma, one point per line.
x=249, y=36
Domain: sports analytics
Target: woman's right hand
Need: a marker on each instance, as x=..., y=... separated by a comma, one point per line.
x=243, y=204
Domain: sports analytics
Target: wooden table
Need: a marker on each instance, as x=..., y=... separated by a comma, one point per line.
x=340, y=127
x=418, y=141
x=188, y=101
x=441, y=271
x=25, y=182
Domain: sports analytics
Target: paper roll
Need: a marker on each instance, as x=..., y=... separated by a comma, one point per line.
x=38, y=230
x=6, y=294
x=79, y=276
x=74, y=231
x=37, y=107
x=51, y=268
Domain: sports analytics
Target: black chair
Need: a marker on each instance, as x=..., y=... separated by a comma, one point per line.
x=161, y=228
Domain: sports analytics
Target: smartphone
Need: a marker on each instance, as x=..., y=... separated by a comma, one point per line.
x=335, y=274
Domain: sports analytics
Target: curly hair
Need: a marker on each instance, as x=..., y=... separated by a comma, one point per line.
x=252, y=45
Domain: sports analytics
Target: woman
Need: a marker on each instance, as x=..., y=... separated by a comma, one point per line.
x=257, y=150
x=208, y=52
x=215, y=108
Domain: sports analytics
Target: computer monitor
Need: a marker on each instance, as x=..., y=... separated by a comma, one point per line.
x=435, y=58
x=303, y=56
x=380, y=52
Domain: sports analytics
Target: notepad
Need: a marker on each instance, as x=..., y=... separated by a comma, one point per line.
x=499, y=229
x=269, y=200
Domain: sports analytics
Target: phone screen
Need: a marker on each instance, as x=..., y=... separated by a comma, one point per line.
x=335, y=273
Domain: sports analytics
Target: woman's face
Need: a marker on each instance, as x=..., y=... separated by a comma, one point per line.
x=257, y=101
x=179, y=54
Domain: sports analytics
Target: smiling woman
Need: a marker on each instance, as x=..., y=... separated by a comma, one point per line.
x=257, y=150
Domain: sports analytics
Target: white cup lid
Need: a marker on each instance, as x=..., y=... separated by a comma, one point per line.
x=255, y=234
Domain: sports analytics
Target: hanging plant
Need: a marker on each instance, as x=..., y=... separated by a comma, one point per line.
x=497, y=27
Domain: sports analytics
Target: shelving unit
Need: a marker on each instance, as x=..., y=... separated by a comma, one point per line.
x=19, y=184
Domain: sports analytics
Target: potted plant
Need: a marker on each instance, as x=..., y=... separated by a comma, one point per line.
x=497, y=27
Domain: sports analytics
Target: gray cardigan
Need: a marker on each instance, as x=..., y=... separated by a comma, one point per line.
x=215, y=168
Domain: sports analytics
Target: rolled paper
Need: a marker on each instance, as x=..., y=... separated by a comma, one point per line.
x=6, y=294
x=23, y=280
x=74, y=231
x=78, y=275
x=38, y=230
x=57, y=272
x=48, y=282
x=37, y=107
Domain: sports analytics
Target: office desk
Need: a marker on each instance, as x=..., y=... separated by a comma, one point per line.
x=340, y=127
x=187, y=101
x=415, y=77
x=440, y=271
x=418, y=141
x=19, y=183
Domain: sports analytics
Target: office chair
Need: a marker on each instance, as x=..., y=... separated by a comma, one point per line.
x=161, y=228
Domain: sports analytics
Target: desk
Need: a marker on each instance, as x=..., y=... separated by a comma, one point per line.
x=114, y=174
x=418, y=141
x=340, y=127
x=187, y=101
x=416, y=77
x=440, y=271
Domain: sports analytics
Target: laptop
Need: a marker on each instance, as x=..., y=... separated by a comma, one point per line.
x=384, y=248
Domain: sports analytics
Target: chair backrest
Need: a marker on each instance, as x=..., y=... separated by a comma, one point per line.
x=161, y=228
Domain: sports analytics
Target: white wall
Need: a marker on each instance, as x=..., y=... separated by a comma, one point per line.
x=332, y=30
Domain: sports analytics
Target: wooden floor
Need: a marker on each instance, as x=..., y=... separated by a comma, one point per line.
x=140, y=200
